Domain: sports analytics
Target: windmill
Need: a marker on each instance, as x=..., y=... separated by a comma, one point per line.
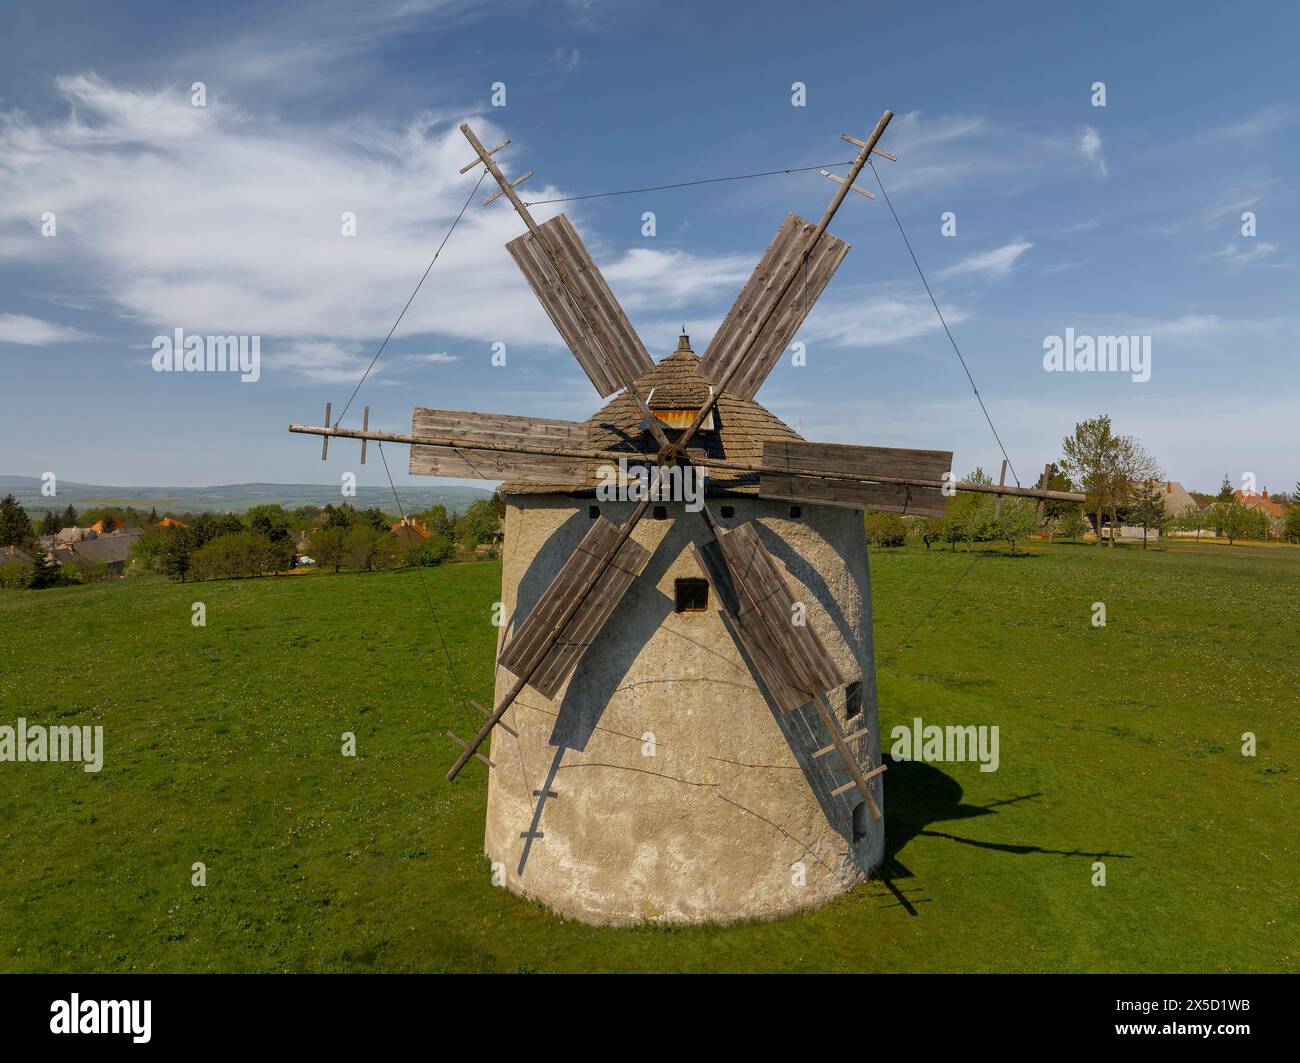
x=718, y=661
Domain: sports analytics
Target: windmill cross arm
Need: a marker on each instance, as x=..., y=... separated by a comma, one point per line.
x=636, y=456
x=841, y=191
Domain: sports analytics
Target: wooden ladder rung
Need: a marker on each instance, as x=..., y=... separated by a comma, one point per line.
x=465, y=745
x=866, y=778
x=500, y=723
x=846, y=739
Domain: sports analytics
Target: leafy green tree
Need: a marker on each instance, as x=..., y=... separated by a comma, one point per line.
x=326, y=547
x=481, y=523
x=1291, y=525
x=271, y=522
x=1072, y=524
x=1090, y=458
x=431, y=551
x=49, y=523
x=932, y=531
x=178, y=547
x=146, y=551
x=885, y=529
x=1148, y=509
x=1232, y=519
x=1017, y=521
x=436, y=520
x=15, y=526
x=365, y=548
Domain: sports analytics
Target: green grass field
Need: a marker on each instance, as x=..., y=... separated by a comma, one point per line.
x=1120, y=743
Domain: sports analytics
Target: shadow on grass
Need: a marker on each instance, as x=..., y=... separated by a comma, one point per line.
x=919, y=795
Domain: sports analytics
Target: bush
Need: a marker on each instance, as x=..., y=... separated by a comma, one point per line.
x=885, y=529
x=13, y=576
x=1072, y=524
x=1291, y=529
x=242, y=553
x=432, y=551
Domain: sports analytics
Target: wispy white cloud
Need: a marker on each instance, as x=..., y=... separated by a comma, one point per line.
x=34, y=332
x=260, y=204
x=996, y=264
x=1090, y=148
x=1238, y=256
x=567, y=59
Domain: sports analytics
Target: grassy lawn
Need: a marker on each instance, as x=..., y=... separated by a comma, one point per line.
x=1120, y=743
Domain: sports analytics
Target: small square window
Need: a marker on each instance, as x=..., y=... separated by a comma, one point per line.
x=661, y=512
x=692, y=595
x=728, y=511
x=593, y=512
x=796, y=512
x=853, y=699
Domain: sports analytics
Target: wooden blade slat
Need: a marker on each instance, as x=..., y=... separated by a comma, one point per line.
x=797, y=455
x=784, y=257
x=765, y=597
x=792, y=661
x=765, y=657
x=785, y=460
x=553, y=664
x=852, y=494
x=498, y=429
x=595, y=327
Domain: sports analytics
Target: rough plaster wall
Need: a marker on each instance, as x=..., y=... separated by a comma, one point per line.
x=710, y=826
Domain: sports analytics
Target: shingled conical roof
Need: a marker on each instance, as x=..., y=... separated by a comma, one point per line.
x=741, y=426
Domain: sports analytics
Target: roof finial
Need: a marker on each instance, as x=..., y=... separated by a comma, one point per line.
x=683, y=341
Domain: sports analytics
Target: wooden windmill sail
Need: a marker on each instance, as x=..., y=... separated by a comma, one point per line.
x=789, y=658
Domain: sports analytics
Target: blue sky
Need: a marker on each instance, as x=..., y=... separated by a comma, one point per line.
x=225, y=219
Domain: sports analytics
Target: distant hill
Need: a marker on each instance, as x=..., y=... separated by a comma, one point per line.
x=231, y=497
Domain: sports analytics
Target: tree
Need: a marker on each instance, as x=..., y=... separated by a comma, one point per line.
x=885, y=529
x=69, y=517
x=1226, y=493
x=1148, y=509
x=1291, y=523
x=1232, y=519
x=1017, y=520
x=174, y=557
x=326, y=547
x=15, y=526
x=50, y=523
x=481, y=523
x=431, y=551
x=1089, y=457
x=1194, y=519
x=1072, y=524
x=436, y=520
x=1133, y=468
x=365, y=548
x=44, y=572
x=932, y=531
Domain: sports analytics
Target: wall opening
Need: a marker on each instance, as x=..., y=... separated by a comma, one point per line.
x=859, y=822
x=853, y=699
x=692, y=595
x=661, y=512
x=796, y=512
x=728, y=511
x=593, y=512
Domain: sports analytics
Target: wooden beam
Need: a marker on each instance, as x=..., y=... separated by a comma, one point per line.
x=997, y=503
x=625, y=529
x=637, y=456
x=850, y=762
x=739, y=359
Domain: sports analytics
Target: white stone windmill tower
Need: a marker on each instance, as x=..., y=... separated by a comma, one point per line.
x=685, y=712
